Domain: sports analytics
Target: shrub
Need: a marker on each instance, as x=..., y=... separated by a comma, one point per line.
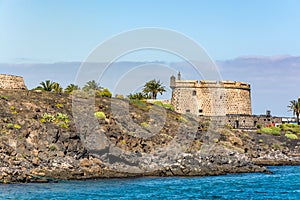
x=228, y=126
x=291, y=136
x=259, y=126
x=145, y=125
x=138, y=96
x=104, y=93
x=4, y=98
x=260, y=141
x=182, y=119
x=271, y=130
x=59, y=105
x=123, y=142
x=159, y=103
x=141, y=104
x=52, y=147
x=9, y=125
x=47, y=118
x=167, y=106
x=294, y=128
x=62, y=117
x=17, y=126
x=100, y=115
x=63, y=125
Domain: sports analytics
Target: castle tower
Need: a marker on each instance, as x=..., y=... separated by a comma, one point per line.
x=210, y=98
x=172, y=82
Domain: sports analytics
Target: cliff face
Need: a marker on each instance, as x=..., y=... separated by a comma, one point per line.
x=43, y=137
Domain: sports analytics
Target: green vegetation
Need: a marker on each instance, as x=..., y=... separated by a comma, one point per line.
x=289, y=130
x=154, y=87
x=138, y=96
x=260, y=141
x=91, y=85
x=17, y=126
x=49, y=86
x=271, y=130
x=46, y=85
x=182, y=119
x=291, y=136
x=104, y=93
x=71, y=88
x=167, y=106
x=52, y=147
x=4, y=98
x=145, y=125
x=59, y=105
x=47, y=118
x=295, y=108
x=57, y=88
x=100, y=115
x=62, y=120
x=141, y=104
x=9, y=125
x=259, y=126
x=292, y=128
x=123, y=142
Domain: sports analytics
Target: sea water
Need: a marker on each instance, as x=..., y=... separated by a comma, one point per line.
x=284, y=183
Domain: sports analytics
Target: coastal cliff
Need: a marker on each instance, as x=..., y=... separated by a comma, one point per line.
x=44, y=139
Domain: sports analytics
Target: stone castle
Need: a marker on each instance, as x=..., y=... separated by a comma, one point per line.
x=210, y=98
x=10, y=82
x=227, y=101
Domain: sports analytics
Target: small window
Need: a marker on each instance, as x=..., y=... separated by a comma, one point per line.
x=255, y=123
x=194, y=93
x=265, y=120
x=188, y=111
x=220, y=97
x=229, y=120
x=200, y=110
x=269, y=120
x=244, y=121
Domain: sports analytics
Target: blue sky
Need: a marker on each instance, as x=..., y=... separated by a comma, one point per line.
x=47, y=39
x=54, y=30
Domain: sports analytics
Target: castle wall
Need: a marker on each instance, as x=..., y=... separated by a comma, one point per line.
x=241, y=121
x=211, y=98
x=8, y=82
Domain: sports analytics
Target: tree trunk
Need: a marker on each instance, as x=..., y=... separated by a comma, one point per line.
x=297, y=118
x=154, y=95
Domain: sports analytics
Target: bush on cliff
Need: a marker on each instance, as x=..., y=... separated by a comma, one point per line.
x=291, y=136
x=271, y=130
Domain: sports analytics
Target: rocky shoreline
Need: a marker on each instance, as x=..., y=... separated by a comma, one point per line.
x=45, y=138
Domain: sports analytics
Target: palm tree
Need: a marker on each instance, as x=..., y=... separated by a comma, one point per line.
x=46, y=85
x=70, y=88
x=295, y=107
x=154, y=87
x=91, y=85
x=57, y=88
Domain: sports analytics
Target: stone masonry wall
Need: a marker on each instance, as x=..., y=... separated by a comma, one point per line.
x=211, y=98
x=9, y=82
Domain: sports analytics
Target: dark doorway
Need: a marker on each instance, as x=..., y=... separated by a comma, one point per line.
x=237, y=125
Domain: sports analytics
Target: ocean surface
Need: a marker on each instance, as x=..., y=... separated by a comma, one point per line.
x=284, y=183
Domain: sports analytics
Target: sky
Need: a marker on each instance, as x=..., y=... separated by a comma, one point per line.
x=55, y=30
x=49, y=39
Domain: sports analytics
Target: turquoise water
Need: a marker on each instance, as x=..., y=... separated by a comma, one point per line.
x=283, y=184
